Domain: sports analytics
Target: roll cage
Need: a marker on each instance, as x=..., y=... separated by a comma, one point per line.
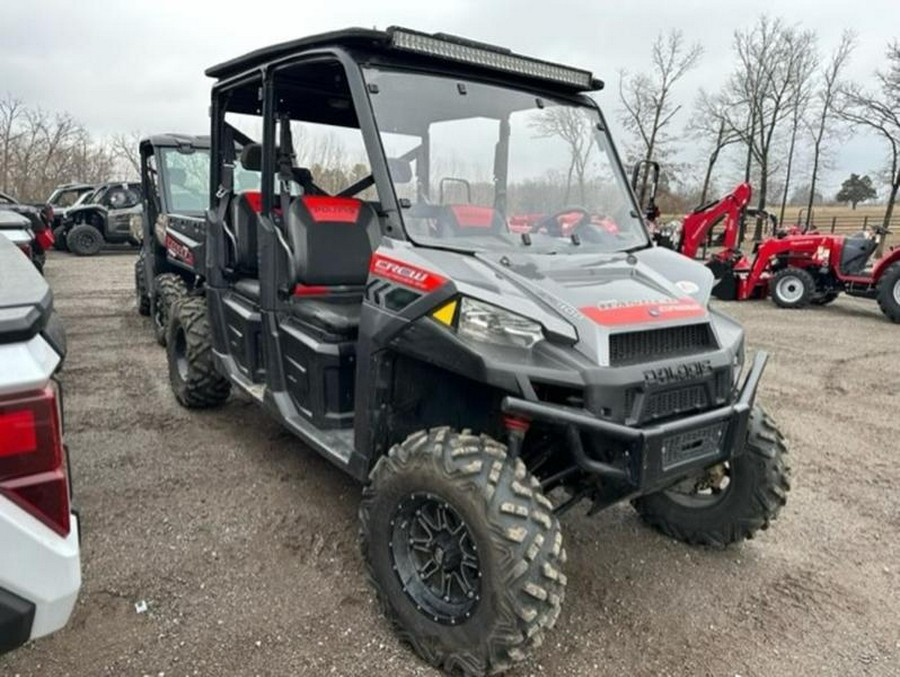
x=248, y=85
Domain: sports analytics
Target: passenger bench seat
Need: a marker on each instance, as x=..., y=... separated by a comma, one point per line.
x=332, y=247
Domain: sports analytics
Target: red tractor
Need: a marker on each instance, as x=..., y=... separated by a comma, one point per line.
x=812, y=268
x=796, y=268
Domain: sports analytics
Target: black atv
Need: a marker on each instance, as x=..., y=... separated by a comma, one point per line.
x=481, y=335
x=102, y=218
x=175, y=186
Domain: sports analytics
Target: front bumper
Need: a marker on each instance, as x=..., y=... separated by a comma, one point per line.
x=651, y=457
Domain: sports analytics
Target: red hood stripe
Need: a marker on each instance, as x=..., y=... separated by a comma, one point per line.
x=649, y=311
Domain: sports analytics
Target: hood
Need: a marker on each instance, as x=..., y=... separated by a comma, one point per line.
x=579, y=298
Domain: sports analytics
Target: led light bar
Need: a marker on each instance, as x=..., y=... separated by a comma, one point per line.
x=489, y=58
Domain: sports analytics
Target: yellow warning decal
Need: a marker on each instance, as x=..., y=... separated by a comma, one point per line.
x=446, y=313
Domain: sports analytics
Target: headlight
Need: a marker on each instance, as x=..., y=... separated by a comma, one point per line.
x=480, y=321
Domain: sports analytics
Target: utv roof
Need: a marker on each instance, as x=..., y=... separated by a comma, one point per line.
x=414, y=46
x=74, y=186
x=175, y=140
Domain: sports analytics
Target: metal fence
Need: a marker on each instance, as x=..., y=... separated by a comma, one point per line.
x=848, y=224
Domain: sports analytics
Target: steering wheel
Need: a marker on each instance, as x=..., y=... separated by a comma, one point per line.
x=555, y=228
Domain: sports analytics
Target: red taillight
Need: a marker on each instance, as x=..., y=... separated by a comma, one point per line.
x=45, y=238
x=32, y=460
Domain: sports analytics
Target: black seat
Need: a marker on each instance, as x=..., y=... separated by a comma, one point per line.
x=249, y=287
x=244, y=211
x=332, y=245
x=337, y=317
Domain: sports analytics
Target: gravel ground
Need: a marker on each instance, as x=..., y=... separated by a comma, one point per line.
x=242, y=543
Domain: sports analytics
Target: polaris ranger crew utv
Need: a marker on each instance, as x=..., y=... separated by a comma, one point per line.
x=478, y=379
x=171, y=229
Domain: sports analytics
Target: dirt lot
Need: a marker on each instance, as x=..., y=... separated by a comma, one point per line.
x=242, y=543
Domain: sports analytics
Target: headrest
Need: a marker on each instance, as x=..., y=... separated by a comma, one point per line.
x=251, y=157
x=401, y=171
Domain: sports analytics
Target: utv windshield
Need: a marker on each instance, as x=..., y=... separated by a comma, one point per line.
x=187, y=179
x=479, y=167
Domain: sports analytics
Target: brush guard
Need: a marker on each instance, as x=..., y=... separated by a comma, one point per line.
x=654, y=457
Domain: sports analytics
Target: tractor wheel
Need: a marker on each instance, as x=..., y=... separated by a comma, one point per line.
x=168, y=288
x=59, y=239
x=730, y=501
x=84, y=240
x=192, y=370
x=463, y=550
x=140, y=286
x=824, y=299
x=889, y=292
x=792, y=288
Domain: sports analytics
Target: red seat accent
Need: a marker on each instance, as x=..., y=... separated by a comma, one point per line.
x=254, y=199
x=327, y=209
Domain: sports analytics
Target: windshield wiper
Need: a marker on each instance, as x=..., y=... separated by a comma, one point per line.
x=526, y=239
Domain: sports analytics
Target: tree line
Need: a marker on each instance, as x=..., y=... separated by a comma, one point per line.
x=40, y=149
x=780, y=95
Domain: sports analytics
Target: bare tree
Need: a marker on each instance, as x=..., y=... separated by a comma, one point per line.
x=710, y=121
x=825, y=114
x=647, y=97
x=879, y=112
x=576, y=129
x=40, y=149
x=772, y=57
x=802, y=93
x=11, y=110
x=126, y=151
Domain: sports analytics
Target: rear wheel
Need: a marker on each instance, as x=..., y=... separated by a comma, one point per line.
x=727, y=502
x=140, y=286
x=463, y=550
x=192, y=370
x=168, y=287
x=84, y=240
x=59, y=239
x=889, y=292
x=792, y=288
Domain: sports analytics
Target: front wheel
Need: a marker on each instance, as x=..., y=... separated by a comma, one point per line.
x=728, y=502
x=889, y=292
x=192, y=370
x=84, y=240
x=463, y=550
x=824, y=298
x=792, y=288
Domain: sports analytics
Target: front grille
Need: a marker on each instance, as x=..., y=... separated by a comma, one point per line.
x=658, y=344
x=672, y=402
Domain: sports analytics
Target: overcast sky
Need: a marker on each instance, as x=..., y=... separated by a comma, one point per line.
x=121, y=65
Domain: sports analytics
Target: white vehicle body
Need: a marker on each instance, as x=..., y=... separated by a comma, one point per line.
x=40, y=568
